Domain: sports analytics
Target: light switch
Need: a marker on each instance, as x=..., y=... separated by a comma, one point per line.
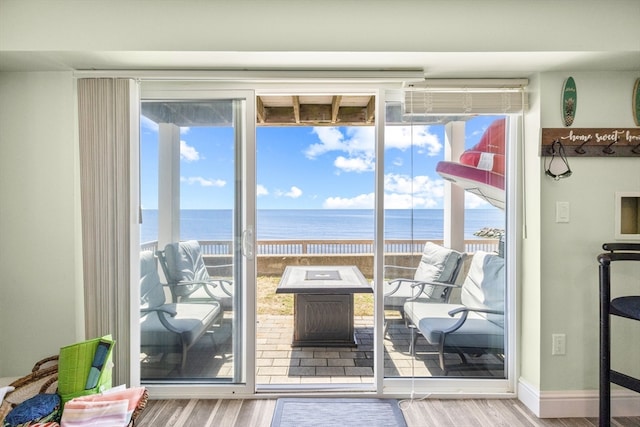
x=562, y=211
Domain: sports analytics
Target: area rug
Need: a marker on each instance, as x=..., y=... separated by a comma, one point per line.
x=310, y=412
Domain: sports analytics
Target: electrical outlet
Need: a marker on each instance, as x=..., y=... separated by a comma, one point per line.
x=558, y=344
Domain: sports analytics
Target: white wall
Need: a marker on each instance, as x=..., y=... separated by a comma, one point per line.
x=569, y=270
x=318, y=26
x=40, y=284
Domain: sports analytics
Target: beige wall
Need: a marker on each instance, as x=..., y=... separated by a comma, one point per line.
x=40, y=285
x=568, y=266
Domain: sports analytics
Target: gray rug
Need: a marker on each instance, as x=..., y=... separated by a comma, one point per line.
x=308, y=412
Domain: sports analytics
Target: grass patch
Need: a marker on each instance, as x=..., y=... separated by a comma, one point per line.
x=282, y=304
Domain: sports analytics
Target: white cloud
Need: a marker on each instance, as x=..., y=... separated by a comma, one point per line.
x=261, y=190
x=359, y=144
x=361, y=139
x=357, y=141
x=294, y=192
x=331, y=139
x=203, y=181
x=188, y=153
x=354, y=164
x=403, y=192
x=402, y=137
x=363, y=201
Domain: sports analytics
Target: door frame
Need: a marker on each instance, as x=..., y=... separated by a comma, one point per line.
x=244, y=224
x=381, y=386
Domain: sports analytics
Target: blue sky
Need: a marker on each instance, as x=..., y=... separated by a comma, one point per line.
x=309, y=167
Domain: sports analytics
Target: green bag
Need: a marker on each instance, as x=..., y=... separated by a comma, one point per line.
x=76, y=375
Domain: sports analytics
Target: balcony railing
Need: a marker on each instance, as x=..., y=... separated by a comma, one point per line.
x=330, y=247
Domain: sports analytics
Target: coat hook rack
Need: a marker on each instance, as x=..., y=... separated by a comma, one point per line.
x=592, y=142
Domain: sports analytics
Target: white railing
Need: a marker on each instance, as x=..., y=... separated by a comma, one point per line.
x=330, y=247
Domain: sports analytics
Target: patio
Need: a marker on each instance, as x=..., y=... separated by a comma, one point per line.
x=278, y=363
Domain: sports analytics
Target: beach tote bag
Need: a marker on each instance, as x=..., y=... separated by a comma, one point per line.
x=85, y=368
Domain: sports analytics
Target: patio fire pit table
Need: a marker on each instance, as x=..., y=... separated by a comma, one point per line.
x=323, y=303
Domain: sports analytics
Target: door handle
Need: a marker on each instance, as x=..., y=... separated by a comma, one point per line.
x=247, y=243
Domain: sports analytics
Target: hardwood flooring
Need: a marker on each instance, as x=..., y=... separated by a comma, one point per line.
x=424, y=413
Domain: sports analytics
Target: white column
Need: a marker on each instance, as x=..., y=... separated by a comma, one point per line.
x=453, y=194
x=168, y=184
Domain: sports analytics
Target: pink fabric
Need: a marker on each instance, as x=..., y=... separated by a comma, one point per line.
x=133, y=395
x=111, y=408
x=92, y=414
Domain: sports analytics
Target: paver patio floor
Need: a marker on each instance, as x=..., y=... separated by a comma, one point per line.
x=278, y=363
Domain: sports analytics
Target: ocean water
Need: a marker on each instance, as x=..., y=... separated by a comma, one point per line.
x=316, y=224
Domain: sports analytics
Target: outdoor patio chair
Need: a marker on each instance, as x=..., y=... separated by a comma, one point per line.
x=188, y=278
x=437, y=270
x=476, y=325
x=170, y=325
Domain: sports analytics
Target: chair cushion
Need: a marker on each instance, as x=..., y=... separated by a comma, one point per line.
x=484, y=286
x=192, y=319
x=151, y=290
x=438, y=264
x=432, y=318
x=185, y=263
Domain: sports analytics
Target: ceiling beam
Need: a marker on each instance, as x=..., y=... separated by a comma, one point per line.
x=296, y=108
x=260, y=111
x=335, y=108
x=370, y=110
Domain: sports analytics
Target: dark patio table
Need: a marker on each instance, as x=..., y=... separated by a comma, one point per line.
x=323, y=303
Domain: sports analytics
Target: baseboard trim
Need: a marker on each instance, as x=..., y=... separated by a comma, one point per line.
x=576, y=403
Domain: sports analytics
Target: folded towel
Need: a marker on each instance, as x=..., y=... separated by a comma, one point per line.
x=111, y=408
x=95, y=414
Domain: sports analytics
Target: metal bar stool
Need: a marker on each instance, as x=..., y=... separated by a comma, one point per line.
x=625, y=306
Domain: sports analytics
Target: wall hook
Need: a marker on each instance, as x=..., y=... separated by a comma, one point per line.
x=608, y=149
x=579, y=148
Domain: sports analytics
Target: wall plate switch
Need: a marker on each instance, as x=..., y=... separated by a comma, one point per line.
x=562, y=211
x=558, y=344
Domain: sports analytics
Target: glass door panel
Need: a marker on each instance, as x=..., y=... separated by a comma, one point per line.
x=445, y=221
x=316, y=223
x=193, y=221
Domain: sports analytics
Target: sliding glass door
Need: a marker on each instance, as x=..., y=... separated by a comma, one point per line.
x=231, y=214
x=197, y=263
x=447, y=298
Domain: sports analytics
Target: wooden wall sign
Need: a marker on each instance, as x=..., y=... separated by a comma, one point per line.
x=593, y=142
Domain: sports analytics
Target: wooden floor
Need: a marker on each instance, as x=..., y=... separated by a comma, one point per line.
x=432, y=412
